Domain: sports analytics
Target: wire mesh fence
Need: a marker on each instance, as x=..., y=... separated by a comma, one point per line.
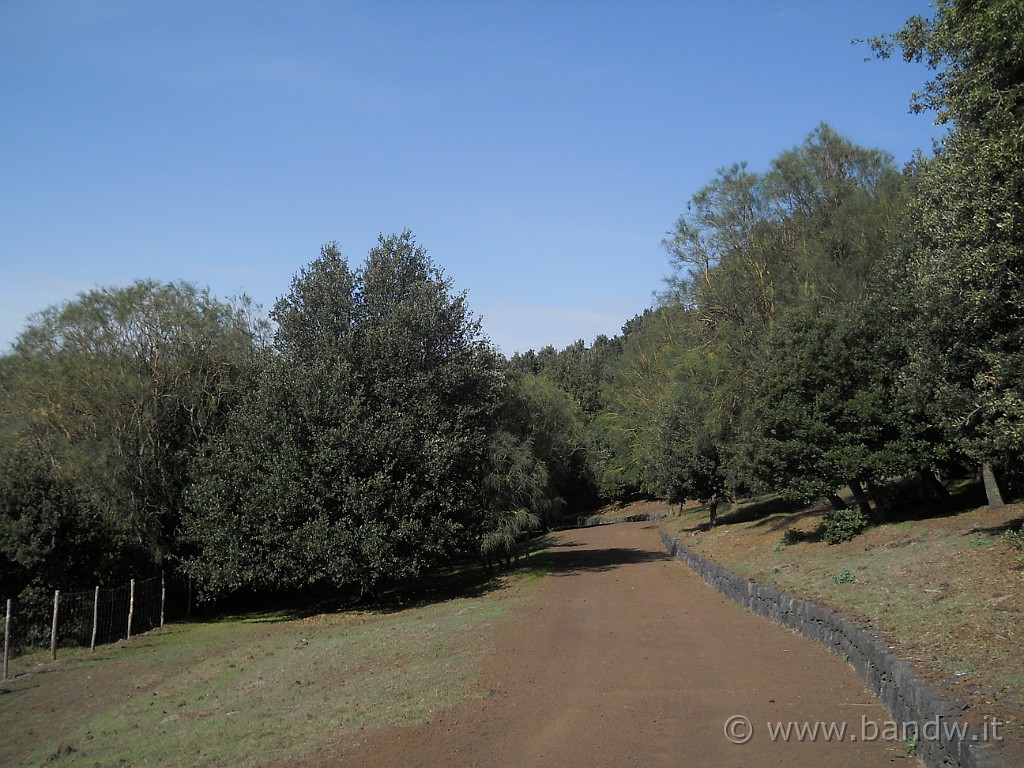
x=37, y=621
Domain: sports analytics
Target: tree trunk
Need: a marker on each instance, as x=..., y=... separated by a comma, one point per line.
x=862, y=499
x=713, y=512
x=836, y=501
x=882, y=506
x=933, y=486
x=995, y=498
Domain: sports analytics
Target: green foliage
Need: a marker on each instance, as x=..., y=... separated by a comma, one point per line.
x=911, y=745
x=828, y=322
x=50, y=532
x=844, y=524
x=844, y=577
x=580, y=371
x=974, y=49
x=687, y=459
x=638, y=392
x=756, y=389
x=501, y=541
x=115, y=391
x=53, y=536
x=964, y=260
x=808, y=229
x=1013, y=539
x=539, y=458
x=357, y=455
x=828, y=408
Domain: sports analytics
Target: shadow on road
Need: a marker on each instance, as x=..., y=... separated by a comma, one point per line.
x=564, y=562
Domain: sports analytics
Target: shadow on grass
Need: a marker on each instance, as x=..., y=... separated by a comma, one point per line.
x=1016, y=525
x=905, y=503
x=906, y=506
x=796, y=536
x=549, y=555
x=466, y=581
x=765, y=510
x=783, y=520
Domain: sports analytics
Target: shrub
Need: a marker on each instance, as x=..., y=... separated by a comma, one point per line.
x=844, y=524
x=1013, y=539
x=844, y=577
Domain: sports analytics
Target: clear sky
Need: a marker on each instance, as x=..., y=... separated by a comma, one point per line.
x=539, y=150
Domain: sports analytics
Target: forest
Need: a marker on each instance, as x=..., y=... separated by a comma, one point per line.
x=831, y=322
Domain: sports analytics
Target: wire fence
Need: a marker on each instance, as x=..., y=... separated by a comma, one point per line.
x=37, y=621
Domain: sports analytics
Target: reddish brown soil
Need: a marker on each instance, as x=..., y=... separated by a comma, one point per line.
x=624, y=657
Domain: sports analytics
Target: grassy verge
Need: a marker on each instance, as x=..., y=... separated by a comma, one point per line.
x=250, y=689
x=947, y=592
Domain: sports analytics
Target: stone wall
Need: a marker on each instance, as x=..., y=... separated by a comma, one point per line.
x=589, y=522
x=894, y=682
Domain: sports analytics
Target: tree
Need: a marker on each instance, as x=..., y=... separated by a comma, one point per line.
x=965, y=260
x=686, y=462
x=119, y=388
x=828, y=410
x=546, y=421
x=516, y=494
x=580, y=371
x=357, y=456
x=52, y=534
x=639, y=386
x=751, y=249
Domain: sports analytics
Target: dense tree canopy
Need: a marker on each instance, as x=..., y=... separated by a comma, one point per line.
x=104, y=401
x=355, y=457
x=120, y=386
x=964, y=261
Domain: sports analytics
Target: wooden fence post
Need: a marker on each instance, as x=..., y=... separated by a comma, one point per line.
x=53, y=629
x=95, y=618
x=131, y=609
x=7, y=638
x=163, y=597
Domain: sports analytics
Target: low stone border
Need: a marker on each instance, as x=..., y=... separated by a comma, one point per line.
x=894, y=682
x=590, y=522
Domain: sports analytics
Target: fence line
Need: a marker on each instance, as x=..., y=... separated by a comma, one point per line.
x=82, y=619
x=7, y=638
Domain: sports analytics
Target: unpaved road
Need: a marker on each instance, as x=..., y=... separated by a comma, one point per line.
x=624, y=657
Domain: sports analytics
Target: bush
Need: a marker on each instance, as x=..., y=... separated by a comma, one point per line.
x=844, y=524
x=1014, y=539
x=844, y=577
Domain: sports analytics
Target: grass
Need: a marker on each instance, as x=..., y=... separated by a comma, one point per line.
x=249, y=689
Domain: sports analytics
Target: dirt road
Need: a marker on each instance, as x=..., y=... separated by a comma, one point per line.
x=624, y=657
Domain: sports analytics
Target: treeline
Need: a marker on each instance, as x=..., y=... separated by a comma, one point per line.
x=831, y=322
x=372, y=436
x=835, y=321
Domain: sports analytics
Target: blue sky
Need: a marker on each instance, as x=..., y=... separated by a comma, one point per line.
x=539, y=150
